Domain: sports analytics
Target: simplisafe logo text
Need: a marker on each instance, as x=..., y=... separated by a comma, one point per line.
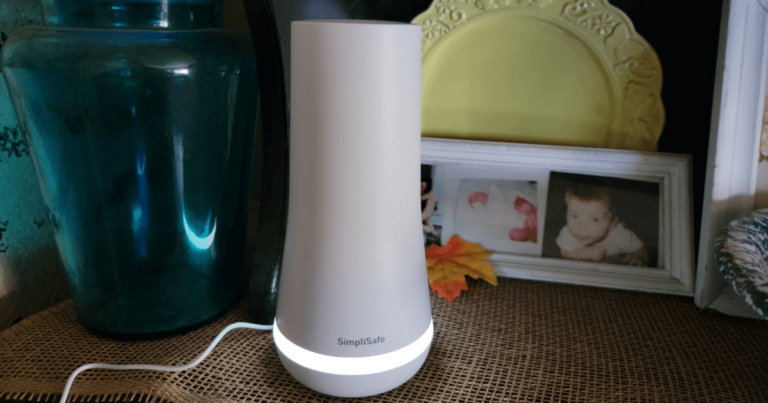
x=360, y=341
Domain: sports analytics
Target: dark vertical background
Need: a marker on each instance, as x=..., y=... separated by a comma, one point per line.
x=685, y=36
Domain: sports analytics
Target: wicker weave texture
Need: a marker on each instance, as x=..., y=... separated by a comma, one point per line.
x=519, y=342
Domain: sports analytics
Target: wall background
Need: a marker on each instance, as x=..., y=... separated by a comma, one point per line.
x=31, y=275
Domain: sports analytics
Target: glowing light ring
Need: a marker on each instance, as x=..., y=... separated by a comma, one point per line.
x=353, y=365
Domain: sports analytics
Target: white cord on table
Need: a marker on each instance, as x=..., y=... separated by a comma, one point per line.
x=166, y=368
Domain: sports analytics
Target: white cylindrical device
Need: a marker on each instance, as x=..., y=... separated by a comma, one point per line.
x=353, y=314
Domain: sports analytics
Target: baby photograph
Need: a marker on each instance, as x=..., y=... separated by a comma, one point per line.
x=501, y=215
x=431, y=217
x=602, y=219
x=502, y=209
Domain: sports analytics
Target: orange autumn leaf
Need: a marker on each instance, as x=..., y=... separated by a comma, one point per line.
x=447, y=266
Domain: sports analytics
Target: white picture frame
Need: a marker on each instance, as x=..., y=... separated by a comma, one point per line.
x=675, y=274
x=734, y=139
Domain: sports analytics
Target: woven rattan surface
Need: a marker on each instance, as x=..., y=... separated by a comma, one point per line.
x=519, y=342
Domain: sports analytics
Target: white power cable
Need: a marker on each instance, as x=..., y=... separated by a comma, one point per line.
x=166, y=368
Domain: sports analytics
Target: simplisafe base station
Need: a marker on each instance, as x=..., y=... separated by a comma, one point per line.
x=353, y=314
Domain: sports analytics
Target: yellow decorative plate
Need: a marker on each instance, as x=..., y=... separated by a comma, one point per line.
x=539, y=71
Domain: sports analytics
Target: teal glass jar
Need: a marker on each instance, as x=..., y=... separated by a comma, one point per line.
x=139, y=117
